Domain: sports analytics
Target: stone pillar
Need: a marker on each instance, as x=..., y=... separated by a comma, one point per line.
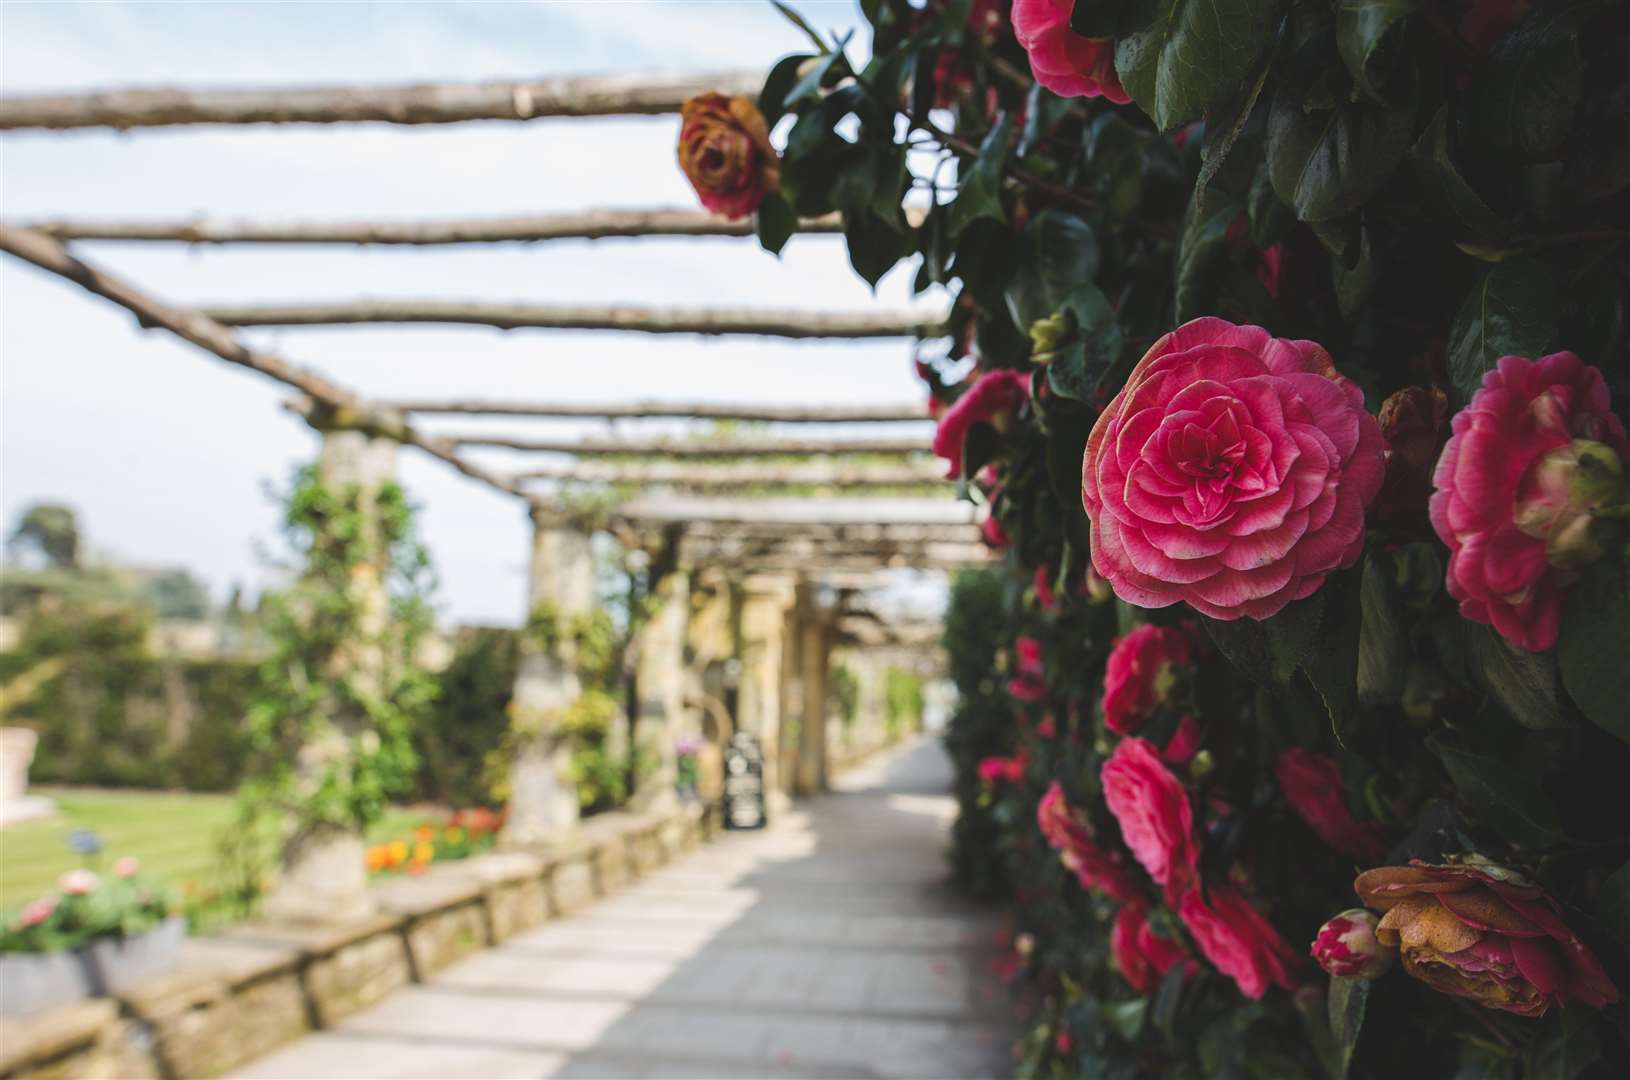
x=16, y=752
x=660, y=681
x=542, y=800
x=324, y=871
x=765, y=601
x=816, y=656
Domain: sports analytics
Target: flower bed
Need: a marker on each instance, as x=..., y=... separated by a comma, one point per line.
x=461, y=834
x=1288, y=356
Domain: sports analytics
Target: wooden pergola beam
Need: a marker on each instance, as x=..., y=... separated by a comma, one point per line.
x=695, y=410
x=654, y=510
x=587, y=225
x=427, y=103
x=766, y=322
x=212, y=337
x=698, y=448
x=856, y=532
x=727, y=476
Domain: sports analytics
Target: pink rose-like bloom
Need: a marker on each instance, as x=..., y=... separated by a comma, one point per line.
x=1503, y=501
x=1030, y=684
x=36, y=911
x=995, y=397
x=1061, y=60
x=1231, y=472
x=992, y=769
x=127, y=866
x=1139, y=673
x=1065, y=830
x=1312, y=785
x=1346, y=945
x=77, y=882
x=1044, y=590
x=1143, y=956
x=1157, y=821
x=1238, y=941
x=992, y=532
x=1184, y=743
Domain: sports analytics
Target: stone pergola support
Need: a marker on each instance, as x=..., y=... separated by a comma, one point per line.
x=323, y=872
x=815, y=629
x=542, y=801
x=660, y=684
x=765, y=602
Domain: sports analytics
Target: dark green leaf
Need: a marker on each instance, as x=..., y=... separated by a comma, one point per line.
x=1513, y=311
x=776, y=84
x=1080, y=365
x=776, y=223
x=1370, y=35
x=1126, y=1017
x=1566, y=1047
x=1102, y=18
x=1524, y=683
x=1383, y=644
x=1594, y=646
x=1445, y=191
x=1270, y=219
x=1167, y=999
x=1202, y=254
x=1506, y=794
x=1058, y=252
x=1227, y=127
x=1353, y=281
x=1328, y=162
x=1349, y=1000
x=979, y=448
x=801, y=23
x=1192, y=54
x=1332, y=665
x=874, y=245
x=979, y=195
x=832, y=64
x=1270, y=651
x=1613, y=904
x=1527, y=94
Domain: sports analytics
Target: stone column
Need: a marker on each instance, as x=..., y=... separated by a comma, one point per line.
x=542, y=800
x=765, y=601
x=660, y=681
x=816, y=656
x=324, y=871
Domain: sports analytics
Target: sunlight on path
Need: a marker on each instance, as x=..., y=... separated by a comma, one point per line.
x=827, y=946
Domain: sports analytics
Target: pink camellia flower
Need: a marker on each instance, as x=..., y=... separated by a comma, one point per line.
x=1143, y=956
x=1238, y=941
x=725, y=152
x=1061, y=60
x=1346, y=945
x=1184, y=743
x=992, y=532
x=1157, y=821
x=1044, y=590
x=1066, y=831
x=1140, y=671
x=1511, y=499
x=1011, y=769
x=1477, y=930
x=36, y=911
x=1030, y=684
x=77, y=882
x=1312, y=785
x=1231, y=472
x=126, y=866
x=993, y=399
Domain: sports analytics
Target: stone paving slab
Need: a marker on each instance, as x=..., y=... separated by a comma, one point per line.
x=828, y=945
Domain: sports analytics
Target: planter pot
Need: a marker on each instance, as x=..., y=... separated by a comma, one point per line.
x=30, y=982
x=116, y=965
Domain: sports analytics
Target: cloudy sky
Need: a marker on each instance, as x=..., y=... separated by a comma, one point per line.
x=167, y=454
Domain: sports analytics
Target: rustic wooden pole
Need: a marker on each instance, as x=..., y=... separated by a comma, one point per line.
x=585, y=225
x=697, y=448
x=692, y=410
x=728, y=476
x=427, y=103
x=506, y=316
x=211, y=336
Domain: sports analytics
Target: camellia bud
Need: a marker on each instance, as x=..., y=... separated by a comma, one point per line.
x=1347, y=945
x=1415, y=421
x=1563, y=493
x=1046, y=335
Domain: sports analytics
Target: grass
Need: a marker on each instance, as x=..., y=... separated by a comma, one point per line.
x=174, y=835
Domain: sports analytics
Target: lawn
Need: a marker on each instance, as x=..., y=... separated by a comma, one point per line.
x=174, y=835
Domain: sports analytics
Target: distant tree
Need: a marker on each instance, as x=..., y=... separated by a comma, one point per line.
x=176, y=594
x=52, y=530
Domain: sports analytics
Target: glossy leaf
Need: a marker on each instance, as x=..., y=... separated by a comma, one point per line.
x=1512, y=311
x=1594, y=646
x=775, y=223
x=1446, y=191
x=1383, y=644
x=1528, y=93
x=1079, y=366
x=979, y=195
x=1371, y=37
x=1504, y=793
x=1349, y=1002
x=1191, y=54
x=1327, y=162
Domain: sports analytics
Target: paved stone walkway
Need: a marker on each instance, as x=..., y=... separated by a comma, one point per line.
x=828, y=945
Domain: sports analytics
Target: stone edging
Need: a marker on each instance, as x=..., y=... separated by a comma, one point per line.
x=243, y=992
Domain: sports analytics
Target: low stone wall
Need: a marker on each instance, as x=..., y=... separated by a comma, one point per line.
x=236, y=995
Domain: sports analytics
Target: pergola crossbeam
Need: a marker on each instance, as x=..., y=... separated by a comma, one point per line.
x=727, y=476
x=698, y=448
x=693, y=410
x=650, y=510
x=211, y=336
x=585, y=225
x=425, y=103
x=766, y=322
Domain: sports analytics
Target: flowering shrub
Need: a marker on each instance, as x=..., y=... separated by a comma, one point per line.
x=462, y=834
x=86, y=905
x=1240, y=270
